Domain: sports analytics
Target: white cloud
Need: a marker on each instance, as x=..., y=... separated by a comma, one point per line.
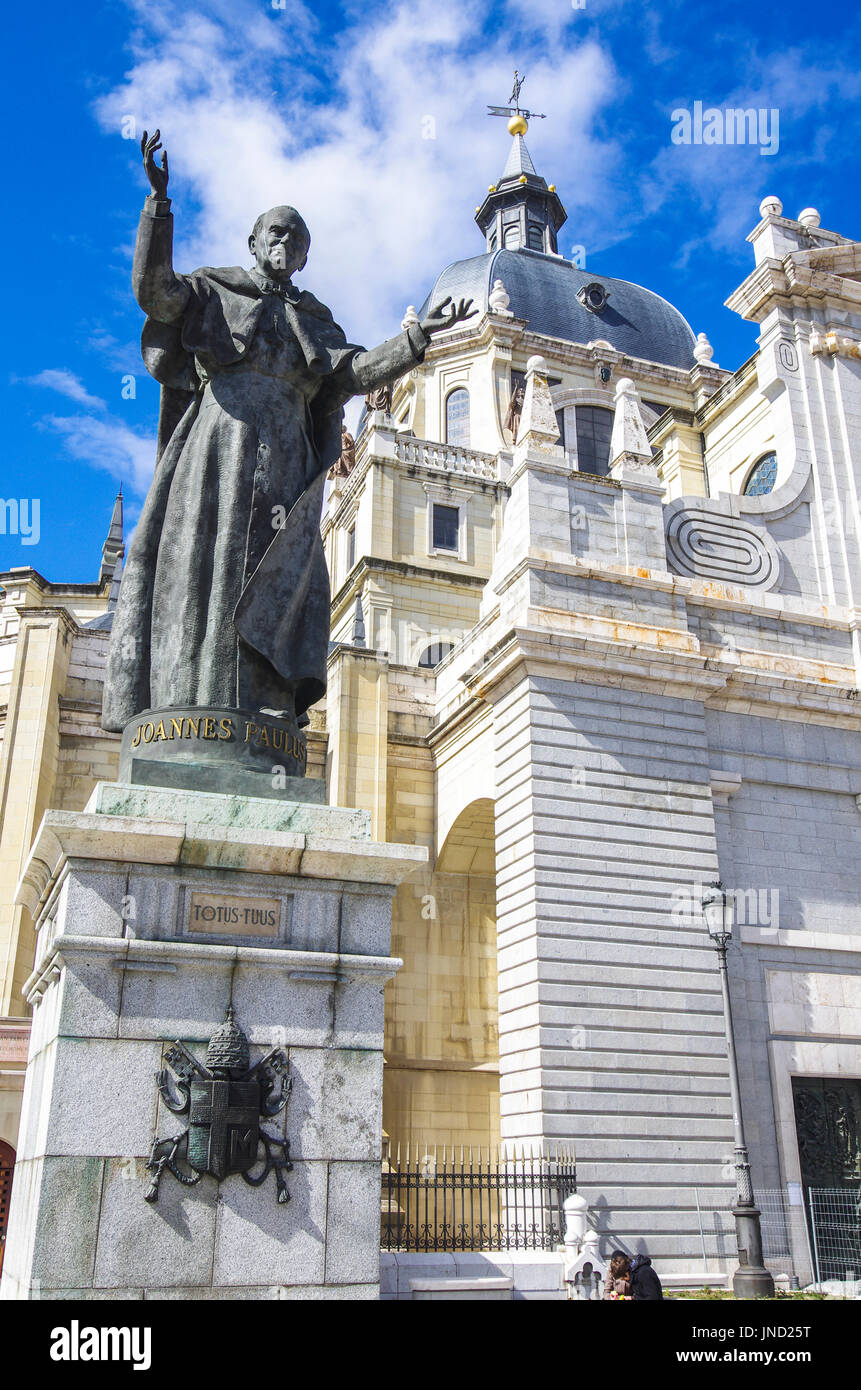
x=64, y=382
x=253, y=114
x=106, y=443
x=120, y=357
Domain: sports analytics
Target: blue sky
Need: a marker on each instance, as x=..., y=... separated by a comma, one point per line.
x=326, y=106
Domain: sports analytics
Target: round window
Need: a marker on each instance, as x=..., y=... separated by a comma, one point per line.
x=762, y=476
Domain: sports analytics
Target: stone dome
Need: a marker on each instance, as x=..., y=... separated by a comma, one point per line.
x=543, y=290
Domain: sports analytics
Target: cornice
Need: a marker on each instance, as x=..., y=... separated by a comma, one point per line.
x=50, y=614
x=789, y=283
x=538, y=645
x=744, y=376
x=371, y=564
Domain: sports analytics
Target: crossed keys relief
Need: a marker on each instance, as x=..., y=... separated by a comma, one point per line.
x=224, y=1099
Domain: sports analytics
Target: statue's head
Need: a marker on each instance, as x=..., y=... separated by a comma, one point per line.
x=279, y=242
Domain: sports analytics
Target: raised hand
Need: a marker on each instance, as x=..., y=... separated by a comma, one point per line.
x=446, y=314
x=158, y=177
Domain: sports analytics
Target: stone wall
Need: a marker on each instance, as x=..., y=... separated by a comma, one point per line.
x=611, y=1026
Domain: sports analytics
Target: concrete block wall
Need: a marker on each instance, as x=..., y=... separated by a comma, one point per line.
x=789, y=838
x=611, y=1025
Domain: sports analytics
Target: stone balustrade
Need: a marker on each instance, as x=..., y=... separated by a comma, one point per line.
x=446, y=458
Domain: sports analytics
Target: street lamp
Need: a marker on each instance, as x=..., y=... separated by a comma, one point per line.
x=751, y=1279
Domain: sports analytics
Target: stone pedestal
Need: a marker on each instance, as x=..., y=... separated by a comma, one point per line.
x=155, y=911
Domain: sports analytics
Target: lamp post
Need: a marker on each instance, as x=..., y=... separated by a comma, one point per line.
x=751, y=1279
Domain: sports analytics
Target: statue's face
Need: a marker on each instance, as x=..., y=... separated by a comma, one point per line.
x=280, y=245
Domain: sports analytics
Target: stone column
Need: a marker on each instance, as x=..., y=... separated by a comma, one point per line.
x=156, y=910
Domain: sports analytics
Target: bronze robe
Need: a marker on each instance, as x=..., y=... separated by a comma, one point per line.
x=225, y=597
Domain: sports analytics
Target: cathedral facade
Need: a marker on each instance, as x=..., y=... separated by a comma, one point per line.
x=595, y=643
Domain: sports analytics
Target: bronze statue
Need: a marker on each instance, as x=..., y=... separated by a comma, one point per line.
x=225, y=598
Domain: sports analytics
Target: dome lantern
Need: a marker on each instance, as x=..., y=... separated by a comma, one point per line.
x=520, y=211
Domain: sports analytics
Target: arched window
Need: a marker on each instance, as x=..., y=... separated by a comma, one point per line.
x=594, y=428
x=457, y=417
x=761, y=478
x=434, y=654
x=535, y=237
x=511, y=236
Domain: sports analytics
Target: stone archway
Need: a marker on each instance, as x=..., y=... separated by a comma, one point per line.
x=7, y=1167
x=441, y=1083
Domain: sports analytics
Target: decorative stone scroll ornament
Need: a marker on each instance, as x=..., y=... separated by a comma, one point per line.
x=706, y=539
x=224, y=1100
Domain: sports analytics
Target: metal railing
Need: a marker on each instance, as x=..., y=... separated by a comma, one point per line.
x=834, y=1216
x=475, y=1199
x=815, y=1231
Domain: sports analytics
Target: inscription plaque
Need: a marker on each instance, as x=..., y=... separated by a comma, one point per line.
x=217, y=914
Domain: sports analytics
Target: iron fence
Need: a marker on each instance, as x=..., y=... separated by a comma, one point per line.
x=834, y=1216
x=475, y=1199
x=814, y=1231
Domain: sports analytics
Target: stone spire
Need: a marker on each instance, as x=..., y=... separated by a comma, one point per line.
x=358, y=638
x=114, y=548
x=519, y=160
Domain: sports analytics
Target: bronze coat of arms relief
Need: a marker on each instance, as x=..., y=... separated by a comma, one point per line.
x=225, y=1099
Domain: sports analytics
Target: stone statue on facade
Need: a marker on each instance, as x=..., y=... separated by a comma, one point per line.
x=346, y=460
x=224, y=604
x=515, y=410
x=380, y=398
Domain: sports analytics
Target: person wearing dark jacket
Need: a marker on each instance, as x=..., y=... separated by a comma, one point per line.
x=645, y=1284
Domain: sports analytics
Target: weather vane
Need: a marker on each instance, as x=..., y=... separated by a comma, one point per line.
x=517, y=122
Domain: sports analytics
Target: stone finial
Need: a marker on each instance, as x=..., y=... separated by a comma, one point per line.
x=499, y=299
x=410, y=318
x=628, y=441
x=538, y=427
x=703, y=351
x=358, y=637
x=809, y=217
x=770, y=206
x=576, y=1210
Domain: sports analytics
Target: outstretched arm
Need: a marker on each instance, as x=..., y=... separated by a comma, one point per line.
x=397, y=356
x=158, y=290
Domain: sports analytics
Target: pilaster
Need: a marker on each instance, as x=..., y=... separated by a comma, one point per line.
x=357, y=712
x=28, y=771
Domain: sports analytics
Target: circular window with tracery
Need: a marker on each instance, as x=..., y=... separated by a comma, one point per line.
x=762, y=476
